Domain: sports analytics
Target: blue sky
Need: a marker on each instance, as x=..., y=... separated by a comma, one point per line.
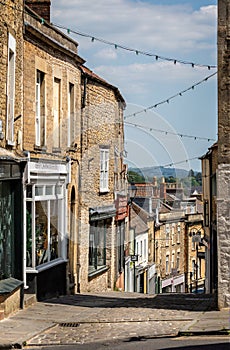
x=178, y=29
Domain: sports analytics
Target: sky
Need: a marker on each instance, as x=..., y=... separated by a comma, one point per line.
x=181, y=30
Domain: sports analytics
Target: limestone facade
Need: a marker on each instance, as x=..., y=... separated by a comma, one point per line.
x=223, y=172
x=11, y=156
x=102, y=136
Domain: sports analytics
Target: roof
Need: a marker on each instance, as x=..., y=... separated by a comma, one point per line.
x=86, y=71
x=137, y=223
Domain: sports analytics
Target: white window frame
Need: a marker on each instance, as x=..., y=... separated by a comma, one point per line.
x=39, y=118
x=104, y=169
x=10, y=90
x=39, y=195
x=71, y=121
x=57, y=113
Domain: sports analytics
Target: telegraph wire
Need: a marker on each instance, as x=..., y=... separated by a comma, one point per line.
x=170, y=98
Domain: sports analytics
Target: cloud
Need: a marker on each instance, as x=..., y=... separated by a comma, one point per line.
x=139, y=24
x=106, y=54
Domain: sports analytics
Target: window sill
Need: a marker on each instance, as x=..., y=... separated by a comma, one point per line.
x=45, y=266
x=101, y=192
x=10, y=143
x=98, y=272
x=40, y=148
x=56, y=150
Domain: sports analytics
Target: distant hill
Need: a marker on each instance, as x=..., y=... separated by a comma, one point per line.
x=159, y=171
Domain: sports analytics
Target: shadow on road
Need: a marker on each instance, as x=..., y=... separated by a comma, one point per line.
x=218, y=346
x=172, y=301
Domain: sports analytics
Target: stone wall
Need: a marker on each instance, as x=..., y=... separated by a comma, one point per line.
x=49, y=58
x=11, y=22
x=223, y=174
x=102, y=124
x=223, y=229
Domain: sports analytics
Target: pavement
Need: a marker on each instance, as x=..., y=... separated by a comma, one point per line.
x=92, y=317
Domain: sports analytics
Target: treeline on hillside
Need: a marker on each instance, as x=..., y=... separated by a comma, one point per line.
x=193, y=179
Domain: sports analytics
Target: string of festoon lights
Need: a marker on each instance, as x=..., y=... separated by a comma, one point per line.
x=136, y=51
x=169, y=132
x=180, y=162
x=170, y=98
x=110, y=43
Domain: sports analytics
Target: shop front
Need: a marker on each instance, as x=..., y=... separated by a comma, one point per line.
x=11, y=234
x=45, y=228
x=120, y=221
x=174, y=284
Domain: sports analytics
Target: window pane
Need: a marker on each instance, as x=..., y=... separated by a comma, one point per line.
x=58, y=189
x=39, y=191
x=97, y=251
x=49, y=190
x=54, y=228
x=41, y=232
x=29, y=232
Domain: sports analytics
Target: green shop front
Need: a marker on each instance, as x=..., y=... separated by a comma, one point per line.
x=11, y=233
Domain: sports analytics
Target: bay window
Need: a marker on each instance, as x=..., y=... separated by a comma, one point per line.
x=44, y=221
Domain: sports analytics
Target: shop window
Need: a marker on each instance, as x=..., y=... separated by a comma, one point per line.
x=10, y=90
x=104, y=169
x=120, y=246
x=97, y=245
x=44, y=212
x=40, y=109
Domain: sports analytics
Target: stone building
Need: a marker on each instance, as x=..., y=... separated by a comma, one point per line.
x=103, y=197
x=11, y=156
x=195, y=253
x=209, y=176
x=170, y=250
x=223, y=172
x=52, y=135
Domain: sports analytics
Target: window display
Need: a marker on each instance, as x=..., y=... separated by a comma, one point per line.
x=44, y=210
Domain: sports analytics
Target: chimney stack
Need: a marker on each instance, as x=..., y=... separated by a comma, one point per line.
x=163, y=189
x=41, y=7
